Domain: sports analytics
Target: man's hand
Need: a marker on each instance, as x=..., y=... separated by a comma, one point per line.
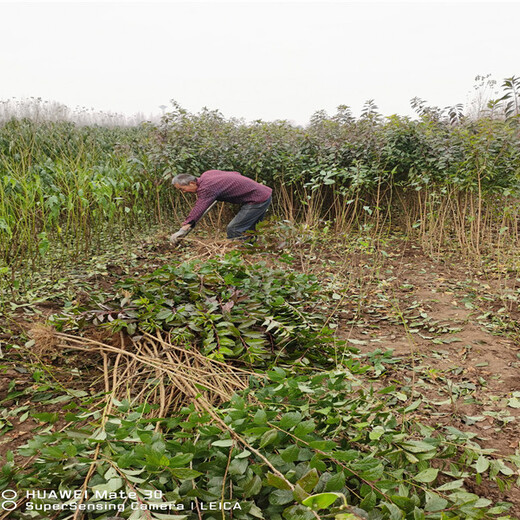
x=176, y=237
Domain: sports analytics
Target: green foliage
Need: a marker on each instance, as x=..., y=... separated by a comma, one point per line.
x=224, y=307
x=341, y=154
x=359, y=172
x=65, y=183
x=70, y=182
x=301, y=443
x=511, y=87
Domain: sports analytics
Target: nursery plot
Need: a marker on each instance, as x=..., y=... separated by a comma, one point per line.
x=359, y=360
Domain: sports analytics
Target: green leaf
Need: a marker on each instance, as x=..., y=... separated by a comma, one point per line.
x=463, y=497
x=376, y=433
x=413, y=406
x=268, y=438
x=225, y=443
x=238, y=466
x=112, y=472
x=304, y=428
x=298, y=513
x=46, y=417
x=164, y=314
x=52, y=452
x=418, y=514
x=369, y=502
x=482, y=464
x=482, y=502
x=317, y=462
x=427, y=476
x=280, y=497
x=277, y=481
x=387, y=390
x=138, y=515
x=336, y=482
x=395, y=512
x=185, y=473
x=260, y=417
x=513, y=402
x=346, y=456
x=299, y=493
x=277, y=374
x=291, y=453
x=356, y=341
x=289, y=420
x=181, y=459
x=110, y=486
x=455, y=484
x=242, y=455
x=434, y=502
x=417, y=446
x=404, y=503
x=368, y=468
x=322, y=500
x=309, y=480
x=323, y=445
x=256, y=512
x=253, y=486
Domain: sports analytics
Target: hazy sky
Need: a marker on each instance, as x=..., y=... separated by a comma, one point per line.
x=257, y=60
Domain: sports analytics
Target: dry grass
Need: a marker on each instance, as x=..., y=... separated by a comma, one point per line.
x=209, y=248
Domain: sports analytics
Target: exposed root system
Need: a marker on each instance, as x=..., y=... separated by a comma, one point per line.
x=45, y=340
x=152, y=369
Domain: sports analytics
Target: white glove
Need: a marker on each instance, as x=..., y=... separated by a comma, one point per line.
x=176, y=237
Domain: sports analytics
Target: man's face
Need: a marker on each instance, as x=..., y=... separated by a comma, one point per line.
x=189, y=188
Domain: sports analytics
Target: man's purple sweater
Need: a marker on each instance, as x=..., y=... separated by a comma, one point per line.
x=227, y=187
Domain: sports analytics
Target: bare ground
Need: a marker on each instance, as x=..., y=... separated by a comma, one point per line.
x=453, y=333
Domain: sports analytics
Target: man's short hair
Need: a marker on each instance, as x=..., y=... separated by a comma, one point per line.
x=183, y=179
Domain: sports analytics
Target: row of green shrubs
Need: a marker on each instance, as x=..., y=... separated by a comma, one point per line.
x=66, y=182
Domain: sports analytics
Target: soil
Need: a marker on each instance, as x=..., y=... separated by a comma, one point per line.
x=465, y=376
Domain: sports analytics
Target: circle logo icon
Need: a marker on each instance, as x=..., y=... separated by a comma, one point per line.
x=9, y=497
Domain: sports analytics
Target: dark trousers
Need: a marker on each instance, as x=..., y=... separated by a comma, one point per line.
x=247, y=218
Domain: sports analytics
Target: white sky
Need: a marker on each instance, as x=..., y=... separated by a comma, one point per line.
x=257, y=60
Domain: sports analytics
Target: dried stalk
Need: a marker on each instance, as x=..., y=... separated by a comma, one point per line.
x=169, y=375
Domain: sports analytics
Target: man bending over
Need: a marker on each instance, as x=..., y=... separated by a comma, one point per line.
x=254, y=199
